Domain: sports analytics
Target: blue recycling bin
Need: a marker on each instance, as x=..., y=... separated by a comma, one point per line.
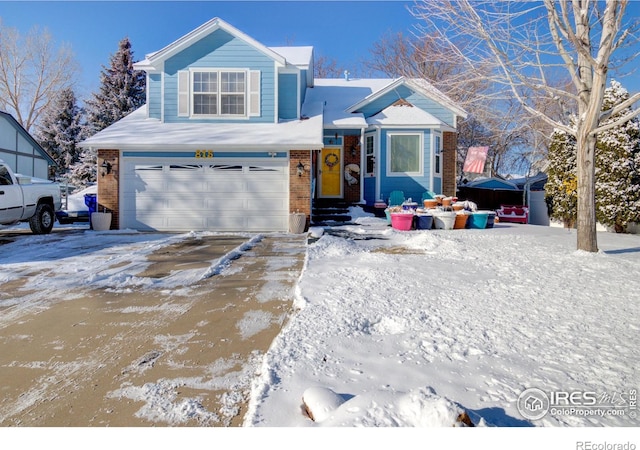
x=91, y=200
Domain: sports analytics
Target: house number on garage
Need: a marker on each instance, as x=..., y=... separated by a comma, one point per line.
x=204, y=154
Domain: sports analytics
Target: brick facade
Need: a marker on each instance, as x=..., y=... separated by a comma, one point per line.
x=449, y=159
x=109, y=185
x=300, y=186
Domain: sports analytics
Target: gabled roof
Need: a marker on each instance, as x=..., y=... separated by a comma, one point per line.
x=28, y=137
x=404, y=114
x=153, y=61
x=419, y=85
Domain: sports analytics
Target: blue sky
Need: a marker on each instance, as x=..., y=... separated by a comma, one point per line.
x=336, y=29
x=343, y=30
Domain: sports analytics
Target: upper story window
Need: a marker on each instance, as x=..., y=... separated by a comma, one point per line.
x=219, y=93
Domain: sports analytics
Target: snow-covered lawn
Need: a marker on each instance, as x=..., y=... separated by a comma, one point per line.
x=409, y=328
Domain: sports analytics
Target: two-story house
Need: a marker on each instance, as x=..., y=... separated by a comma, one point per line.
x=236, y=135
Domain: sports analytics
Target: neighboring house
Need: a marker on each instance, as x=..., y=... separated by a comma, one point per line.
x=21, y=151
x=235, y=136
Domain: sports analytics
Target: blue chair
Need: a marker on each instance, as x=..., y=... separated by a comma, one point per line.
x=396, y=198
x=428, y=195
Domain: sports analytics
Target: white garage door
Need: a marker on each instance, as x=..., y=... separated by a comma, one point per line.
x=225, y=195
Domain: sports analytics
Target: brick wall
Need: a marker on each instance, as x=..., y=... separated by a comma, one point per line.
x=449, y=157
x=352, y=193
x=108, y=185
x=300, y=186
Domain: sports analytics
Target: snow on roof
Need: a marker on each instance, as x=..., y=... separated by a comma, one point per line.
x=403, y=115
x=136, y=131
x=417, y=84
x=153, y=60
x=297, y=56
x=337, y=94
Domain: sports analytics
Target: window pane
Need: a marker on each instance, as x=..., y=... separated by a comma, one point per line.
x=205, y=82
x=405, y=153
x=205, y=104
x=232, y=104
x=369, y=153
x=232, y=82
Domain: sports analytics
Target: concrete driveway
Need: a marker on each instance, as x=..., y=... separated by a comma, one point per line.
x=145, y=354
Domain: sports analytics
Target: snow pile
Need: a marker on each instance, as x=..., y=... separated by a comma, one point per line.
x=418, y=408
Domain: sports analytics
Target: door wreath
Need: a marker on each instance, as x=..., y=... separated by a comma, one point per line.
x=331, y=160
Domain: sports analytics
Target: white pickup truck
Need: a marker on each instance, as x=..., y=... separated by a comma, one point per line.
x=23, y=200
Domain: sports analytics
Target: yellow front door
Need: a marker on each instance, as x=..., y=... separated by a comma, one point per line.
x=331, y=170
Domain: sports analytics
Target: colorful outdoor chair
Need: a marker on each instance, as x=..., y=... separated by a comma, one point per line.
x=396, y=198
x=428, y=195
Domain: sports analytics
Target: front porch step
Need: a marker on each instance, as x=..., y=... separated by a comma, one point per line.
x=327, y=212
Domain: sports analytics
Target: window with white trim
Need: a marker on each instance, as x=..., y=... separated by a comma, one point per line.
x=219, y=93
x=405, y=154
x=438, y=156
x=370, y=154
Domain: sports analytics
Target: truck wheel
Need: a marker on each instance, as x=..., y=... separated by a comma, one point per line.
x=42, y=221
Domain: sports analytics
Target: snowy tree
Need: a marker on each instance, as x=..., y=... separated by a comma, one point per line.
x=59, y=130
x=617, y=160
x=122, y=91
x=617, y=167
x=562, y=183
x=85, y=170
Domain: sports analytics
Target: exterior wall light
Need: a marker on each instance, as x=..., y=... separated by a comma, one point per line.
x=106, y=168
x=300, y=168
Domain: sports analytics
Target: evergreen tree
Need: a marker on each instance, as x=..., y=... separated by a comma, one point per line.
x=122, y=91
x=617, y=171
x=85, y=170
x=617, y=165
x=59, y=131
x=562, y=184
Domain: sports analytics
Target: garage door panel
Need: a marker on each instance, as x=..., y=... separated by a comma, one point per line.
x=225, y=186
x=236, y=195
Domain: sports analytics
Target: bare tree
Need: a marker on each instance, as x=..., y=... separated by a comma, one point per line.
x=32, y=73
x=324, y=67
x=501, y=124
x=527, y=46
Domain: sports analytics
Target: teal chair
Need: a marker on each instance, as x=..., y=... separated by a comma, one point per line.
x=428, y=195
x=396, y=198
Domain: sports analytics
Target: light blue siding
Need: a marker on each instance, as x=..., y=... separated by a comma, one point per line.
x=288, y=96
x=154, y=93
x=412, y=186
x=220, y=50
x=414, y=98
